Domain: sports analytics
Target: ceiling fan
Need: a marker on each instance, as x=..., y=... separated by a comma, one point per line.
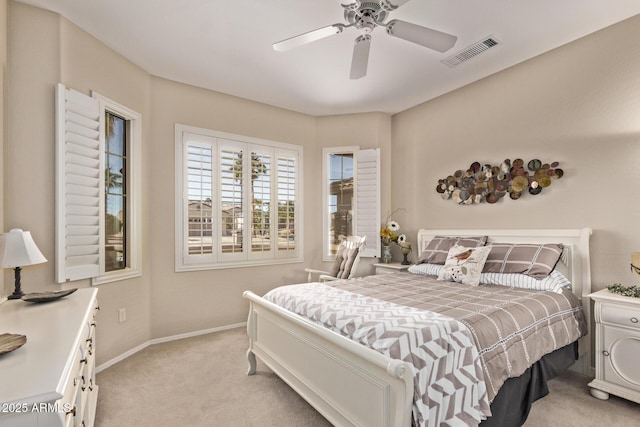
x=366, y=16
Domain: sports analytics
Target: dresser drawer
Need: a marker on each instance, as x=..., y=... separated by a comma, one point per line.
x=622, y=316
x=72, y=388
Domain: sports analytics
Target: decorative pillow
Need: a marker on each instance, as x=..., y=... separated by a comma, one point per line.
x=425, y=269
x=554, y=282
x=437, y=249
x=337, y=262
x=535, y=260
x=344, y=261
x=464, y=264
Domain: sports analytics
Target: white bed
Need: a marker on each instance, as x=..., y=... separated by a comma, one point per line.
x=351, y=384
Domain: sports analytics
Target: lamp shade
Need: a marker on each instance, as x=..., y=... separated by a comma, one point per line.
x=17, y=249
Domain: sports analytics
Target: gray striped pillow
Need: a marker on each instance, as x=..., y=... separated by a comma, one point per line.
x=438, y=248
x=425, y=269
x=554, y=282
x=535, y=260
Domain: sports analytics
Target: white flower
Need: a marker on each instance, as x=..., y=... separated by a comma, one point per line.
x=393, y=226
x=402, y=238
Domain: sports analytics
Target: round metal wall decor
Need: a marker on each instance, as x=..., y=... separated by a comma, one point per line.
x=491, y=183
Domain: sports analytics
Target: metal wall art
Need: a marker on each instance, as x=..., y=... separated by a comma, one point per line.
x=491, y=183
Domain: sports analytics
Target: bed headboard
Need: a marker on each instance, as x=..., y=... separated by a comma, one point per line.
x=576, y=261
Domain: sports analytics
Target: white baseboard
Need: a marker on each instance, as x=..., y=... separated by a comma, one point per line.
x=165, y=339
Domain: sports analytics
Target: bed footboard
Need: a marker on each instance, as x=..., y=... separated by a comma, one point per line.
x=348, y=383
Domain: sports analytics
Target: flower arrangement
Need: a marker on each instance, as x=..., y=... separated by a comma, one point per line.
x=389, y=232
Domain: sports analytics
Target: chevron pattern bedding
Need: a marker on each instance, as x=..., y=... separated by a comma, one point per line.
x=462, y=341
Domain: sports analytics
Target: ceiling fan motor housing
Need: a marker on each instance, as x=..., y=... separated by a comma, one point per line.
x=366, y=14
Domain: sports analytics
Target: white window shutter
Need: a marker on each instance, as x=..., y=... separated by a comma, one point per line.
x=368, y=200
x=79, y=186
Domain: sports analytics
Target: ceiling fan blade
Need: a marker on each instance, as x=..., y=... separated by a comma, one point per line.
x=360, y=58
x=427, y=37
x=309, y=37
x=394, y=3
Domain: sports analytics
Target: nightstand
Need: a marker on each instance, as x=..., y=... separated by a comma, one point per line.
x=392, y=267
x=617, y=346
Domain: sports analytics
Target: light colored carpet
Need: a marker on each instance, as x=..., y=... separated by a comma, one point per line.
x=202, y=381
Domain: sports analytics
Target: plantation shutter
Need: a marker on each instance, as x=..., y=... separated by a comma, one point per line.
x=79, y=186
x=287, y=179
x=233, y=211
x=368, y=200
x=197, y=205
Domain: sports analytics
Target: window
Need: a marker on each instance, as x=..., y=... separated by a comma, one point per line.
x=237, y=200
x=98, y=146
x=122, y=210
x=340, y=202
x=115, y=187
x=351, y=198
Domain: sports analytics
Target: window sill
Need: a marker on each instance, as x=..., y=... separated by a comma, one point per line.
x=218, y=266
x=115, y=276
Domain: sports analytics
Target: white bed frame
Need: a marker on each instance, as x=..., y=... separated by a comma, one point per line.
x=352, y=385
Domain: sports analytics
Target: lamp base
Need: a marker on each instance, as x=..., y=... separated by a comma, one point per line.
x=16, y=295
x=17, y=292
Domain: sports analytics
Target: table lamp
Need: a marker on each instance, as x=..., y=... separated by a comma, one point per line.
x=17, y=250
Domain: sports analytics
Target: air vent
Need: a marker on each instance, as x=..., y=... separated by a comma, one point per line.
x=471, y=51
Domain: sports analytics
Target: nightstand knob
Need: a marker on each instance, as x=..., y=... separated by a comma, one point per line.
x=605, y=353
x=634, y=320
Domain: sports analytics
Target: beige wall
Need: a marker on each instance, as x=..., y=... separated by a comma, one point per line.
x=3, y=111
x=579, y=105
x=44, y=49
x=192, y=301
x=28, y=185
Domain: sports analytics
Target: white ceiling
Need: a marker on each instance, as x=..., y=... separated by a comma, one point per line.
x=226, y=45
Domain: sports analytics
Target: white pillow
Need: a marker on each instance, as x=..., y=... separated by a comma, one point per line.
x=464, y=265
x=426, y=269
x=554, y=282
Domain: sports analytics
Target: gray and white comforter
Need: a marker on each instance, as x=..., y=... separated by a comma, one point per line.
x=463, y=342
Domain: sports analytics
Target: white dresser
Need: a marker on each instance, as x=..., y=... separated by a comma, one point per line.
x=617, y=347
x=50, y=380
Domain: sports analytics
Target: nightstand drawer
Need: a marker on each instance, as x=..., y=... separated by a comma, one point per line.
x=620, y=316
